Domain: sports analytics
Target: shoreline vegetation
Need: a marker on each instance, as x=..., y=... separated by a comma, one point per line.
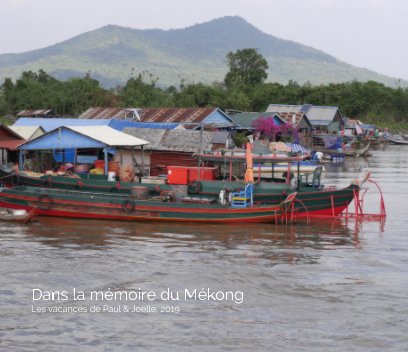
x=371, y=102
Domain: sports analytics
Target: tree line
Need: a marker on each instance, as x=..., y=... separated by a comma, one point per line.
x=244, y=88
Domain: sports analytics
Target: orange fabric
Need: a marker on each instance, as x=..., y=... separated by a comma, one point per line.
x=249, y=173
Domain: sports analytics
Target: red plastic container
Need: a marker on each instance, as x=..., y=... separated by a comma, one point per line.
x=183, y=175
x=202, y=173
x=99, y=164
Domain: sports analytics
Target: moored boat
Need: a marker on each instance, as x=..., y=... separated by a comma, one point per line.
x=357, y=150
x=79, y=204
x=396, y=139
x=313, y=199
x=11, y=178
x=21, y=215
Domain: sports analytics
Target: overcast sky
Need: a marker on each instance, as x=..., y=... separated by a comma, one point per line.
x=365, y=33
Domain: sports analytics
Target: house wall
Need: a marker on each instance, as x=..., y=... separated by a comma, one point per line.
x=3, y=156
x=38, y=132
x=155, y=161
x=216, y=117
x=124, y=156
x=160, y=160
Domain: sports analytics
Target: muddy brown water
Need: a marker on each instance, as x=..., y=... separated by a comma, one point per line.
x=329, y=285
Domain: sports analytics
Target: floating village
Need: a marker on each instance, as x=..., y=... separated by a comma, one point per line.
x=185, y=164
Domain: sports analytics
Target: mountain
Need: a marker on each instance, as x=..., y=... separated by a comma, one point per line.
x=197, y=53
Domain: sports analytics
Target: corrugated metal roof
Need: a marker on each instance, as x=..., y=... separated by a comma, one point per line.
x=49, y=124
x=278, y=108
x=27, y=132
x=152, y=125
x=7, y=133
x=312, y=112
x=34, y=113
x=10, y=144
x=168, y=115
x=174, y=140
x=294, y=118
x=245, y=119
x=76, y=137
x=186, y=141
x=220, y=137
x=109, y=136
x=152, y=135
x=109, y=113
x=322, y=113
x=180, y=115
x=53, y=123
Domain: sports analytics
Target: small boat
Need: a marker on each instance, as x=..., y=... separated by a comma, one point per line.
x=333, y=158
x=78, y=204
x=359, y=149
x=7, y=214
x=396, y=139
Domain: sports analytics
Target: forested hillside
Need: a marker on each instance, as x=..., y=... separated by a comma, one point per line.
x=112, y=54
x=370, y=101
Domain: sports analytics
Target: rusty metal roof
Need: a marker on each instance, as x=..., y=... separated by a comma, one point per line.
x=293, y=118
x=179, y=115
x=175, y=115
x=34, y=113
x=108, y=113
x=10, y=144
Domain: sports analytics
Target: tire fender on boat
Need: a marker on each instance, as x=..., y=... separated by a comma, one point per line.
x=44, y=202
x=194, y=187
x=48, y=183
x=15, y=180
x=128, y=205
x=78, y=186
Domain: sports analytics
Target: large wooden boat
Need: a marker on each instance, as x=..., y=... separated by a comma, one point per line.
x=79, y=204
x=313, y=199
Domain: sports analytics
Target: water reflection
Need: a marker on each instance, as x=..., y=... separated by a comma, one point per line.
x=296, y=278
x=276, y=243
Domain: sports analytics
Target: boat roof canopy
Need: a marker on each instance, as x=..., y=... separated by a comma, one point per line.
x=77, y=137
x=239, y=157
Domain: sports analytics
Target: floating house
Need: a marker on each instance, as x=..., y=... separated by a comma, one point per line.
x=9, y=141
x=173, y=147
x=80, y=145
x=327, y=119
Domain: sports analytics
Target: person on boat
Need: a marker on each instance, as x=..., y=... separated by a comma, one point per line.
x=67, y=170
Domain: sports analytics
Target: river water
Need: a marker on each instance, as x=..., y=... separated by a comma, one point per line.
x=329, y=285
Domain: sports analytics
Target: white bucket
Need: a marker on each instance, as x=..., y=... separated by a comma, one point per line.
x=111, y=176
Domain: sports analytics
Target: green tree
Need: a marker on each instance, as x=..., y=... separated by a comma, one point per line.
x=198, y=95
x=143, y=92
x=247, y=68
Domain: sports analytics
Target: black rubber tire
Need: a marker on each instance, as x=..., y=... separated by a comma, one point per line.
x=128, y=205
x=44, y=202
x=194, y=187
